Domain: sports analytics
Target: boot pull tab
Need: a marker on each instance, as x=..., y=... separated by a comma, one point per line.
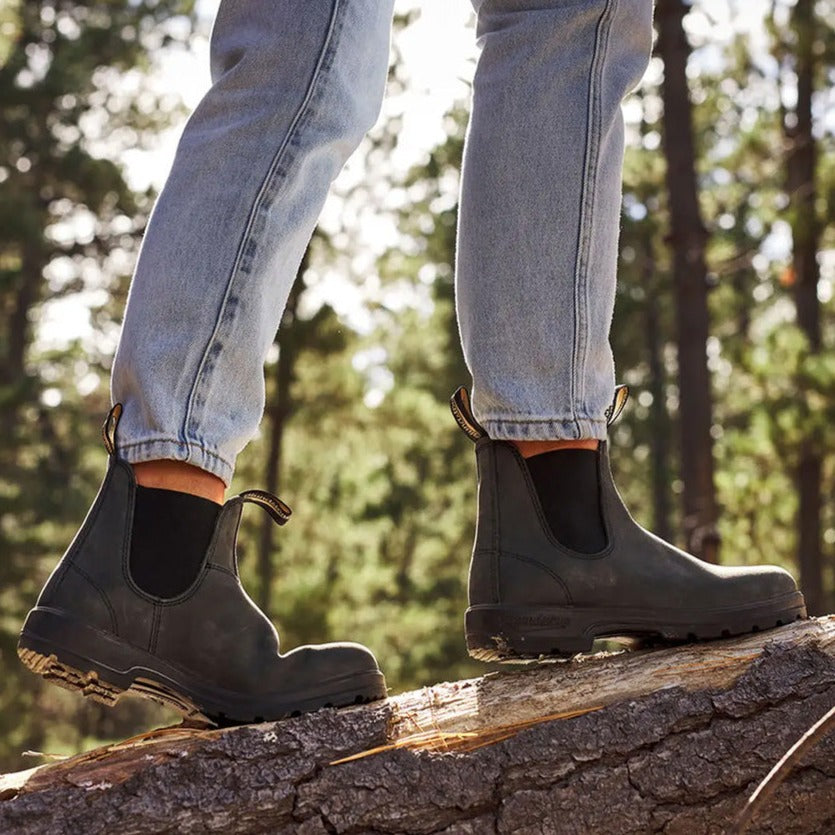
x=279, y=511
x=459, y=403
x=618, y=402
x=108, y=429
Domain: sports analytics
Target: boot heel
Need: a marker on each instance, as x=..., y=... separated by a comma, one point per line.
x=507, y=633
x=87, y=683
x=77, y=658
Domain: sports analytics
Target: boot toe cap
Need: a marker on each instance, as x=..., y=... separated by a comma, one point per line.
x=329, y=662
x=758, y=583
x=346, y=658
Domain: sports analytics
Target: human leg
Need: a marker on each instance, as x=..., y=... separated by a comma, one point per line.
x=540, y=208
x=557, y=559
x=147, y=597
x=295, y=87
x=538, y=229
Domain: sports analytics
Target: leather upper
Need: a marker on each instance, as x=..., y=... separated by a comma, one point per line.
x=516, y=558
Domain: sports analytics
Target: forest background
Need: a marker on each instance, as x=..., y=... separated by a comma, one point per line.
x=724, y=326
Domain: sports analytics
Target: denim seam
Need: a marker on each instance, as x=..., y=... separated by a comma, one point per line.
x=246, y=248
x=182, y=451
x=180, y=443
x=587, y=196
x=545, y=429
x=566, y=419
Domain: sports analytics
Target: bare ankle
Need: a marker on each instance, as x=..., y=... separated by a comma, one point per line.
x=531, y=448
x=166, y=474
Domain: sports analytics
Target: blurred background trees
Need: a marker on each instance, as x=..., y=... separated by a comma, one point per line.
x=73, y=98
x=729, y=453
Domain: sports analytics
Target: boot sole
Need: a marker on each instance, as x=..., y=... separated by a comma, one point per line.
x=103, y=668
x=522, y=633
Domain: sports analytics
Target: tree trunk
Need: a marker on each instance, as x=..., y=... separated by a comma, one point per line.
x=669, y=740
x=277, y=411
x=688, y=237
x=810, y=555
x=17, y=330
x=659, y=442
x=800, y=180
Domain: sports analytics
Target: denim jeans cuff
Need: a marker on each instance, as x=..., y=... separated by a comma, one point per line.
x=153, y=449
x=544, y=429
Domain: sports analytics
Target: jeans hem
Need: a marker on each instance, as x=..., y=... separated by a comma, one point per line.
x=544, y=429
x=153, y=449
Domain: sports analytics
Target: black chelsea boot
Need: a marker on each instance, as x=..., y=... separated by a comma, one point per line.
x=530, y=596
x=208, y=651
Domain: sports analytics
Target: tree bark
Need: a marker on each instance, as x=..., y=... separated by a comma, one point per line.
x=671, y=741
x=801, y=186
x=688, y=237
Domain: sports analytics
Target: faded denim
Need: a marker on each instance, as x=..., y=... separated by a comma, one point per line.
x=296, y=85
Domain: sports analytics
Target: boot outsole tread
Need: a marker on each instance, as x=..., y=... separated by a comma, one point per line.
x=91, y=685
x=500, y=649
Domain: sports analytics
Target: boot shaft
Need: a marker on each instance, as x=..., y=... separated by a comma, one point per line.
x=93, y=577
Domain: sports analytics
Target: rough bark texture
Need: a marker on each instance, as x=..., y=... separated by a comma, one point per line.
x=669, y=741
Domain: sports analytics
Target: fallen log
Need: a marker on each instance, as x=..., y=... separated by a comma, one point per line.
x=671, y=740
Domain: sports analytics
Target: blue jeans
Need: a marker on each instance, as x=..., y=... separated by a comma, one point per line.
x=296, y=84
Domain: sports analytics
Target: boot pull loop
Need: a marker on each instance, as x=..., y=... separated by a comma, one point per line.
x=618, y=402
x=459, y=403
x=108, y=429
x=279, y=511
